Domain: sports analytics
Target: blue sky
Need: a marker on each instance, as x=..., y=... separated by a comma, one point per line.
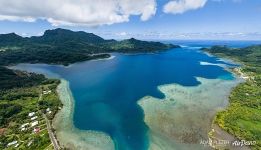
x=144, y=19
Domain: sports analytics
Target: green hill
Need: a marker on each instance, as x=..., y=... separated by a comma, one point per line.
x=10, y=39
x=60, y=46
x=249, y=56
x=134, y=45
x=15, y=79
x=60, y=36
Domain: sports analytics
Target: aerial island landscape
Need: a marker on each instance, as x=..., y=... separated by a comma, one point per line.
x=141, y=75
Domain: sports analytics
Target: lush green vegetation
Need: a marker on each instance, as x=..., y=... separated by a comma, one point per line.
x=62, y=46
x=136, y=46
x=24, y=94
x=248, y=56
x=243, y=116
x=15, y=79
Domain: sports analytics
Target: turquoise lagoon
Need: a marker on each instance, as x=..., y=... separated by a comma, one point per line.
x=106, y=92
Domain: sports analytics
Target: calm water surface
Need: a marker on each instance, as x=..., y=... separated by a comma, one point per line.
x=106, y=91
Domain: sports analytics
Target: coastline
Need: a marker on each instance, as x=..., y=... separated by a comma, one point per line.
x=67, y=134
x=64, y=127
x=184, y=117
x=67, y=124
x=157, y=139
x=109, y=58
x=218, y=137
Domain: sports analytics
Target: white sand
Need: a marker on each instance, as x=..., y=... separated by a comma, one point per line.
x=213, y=64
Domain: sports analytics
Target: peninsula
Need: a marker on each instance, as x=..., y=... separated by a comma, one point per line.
x=27, y=100
x=61, y=46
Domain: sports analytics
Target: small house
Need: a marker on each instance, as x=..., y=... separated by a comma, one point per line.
x=34, y=123
x=35, y=117
x=24, y=125
x=31, y=114
x=36, y=130
x=12, y=143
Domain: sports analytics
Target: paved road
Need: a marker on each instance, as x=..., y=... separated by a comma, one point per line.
x=51, y=134
x=49, y=128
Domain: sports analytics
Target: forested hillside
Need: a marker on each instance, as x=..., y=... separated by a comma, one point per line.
x=60, y=46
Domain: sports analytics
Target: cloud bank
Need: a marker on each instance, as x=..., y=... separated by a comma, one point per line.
x=90, y=12
x=181, y=6
x=76, y=12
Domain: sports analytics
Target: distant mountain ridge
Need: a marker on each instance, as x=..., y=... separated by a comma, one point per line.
x=63, y=35
x=62, y=46
x=10, y=39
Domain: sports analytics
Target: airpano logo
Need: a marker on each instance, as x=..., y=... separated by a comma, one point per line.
x=236, y=143
x=243, y=143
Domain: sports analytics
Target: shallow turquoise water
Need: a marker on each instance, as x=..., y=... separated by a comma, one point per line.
x=106, y=91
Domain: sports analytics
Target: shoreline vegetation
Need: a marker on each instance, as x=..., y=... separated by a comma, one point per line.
x=23, y=93
x=242, y=118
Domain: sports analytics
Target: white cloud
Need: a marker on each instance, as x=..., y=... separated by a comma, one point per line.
x=181, y=6
x=122, y=34
x=76, y=12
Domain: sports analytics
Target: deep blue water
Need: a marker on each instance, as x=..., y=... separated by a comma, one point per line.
x=106, y=91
